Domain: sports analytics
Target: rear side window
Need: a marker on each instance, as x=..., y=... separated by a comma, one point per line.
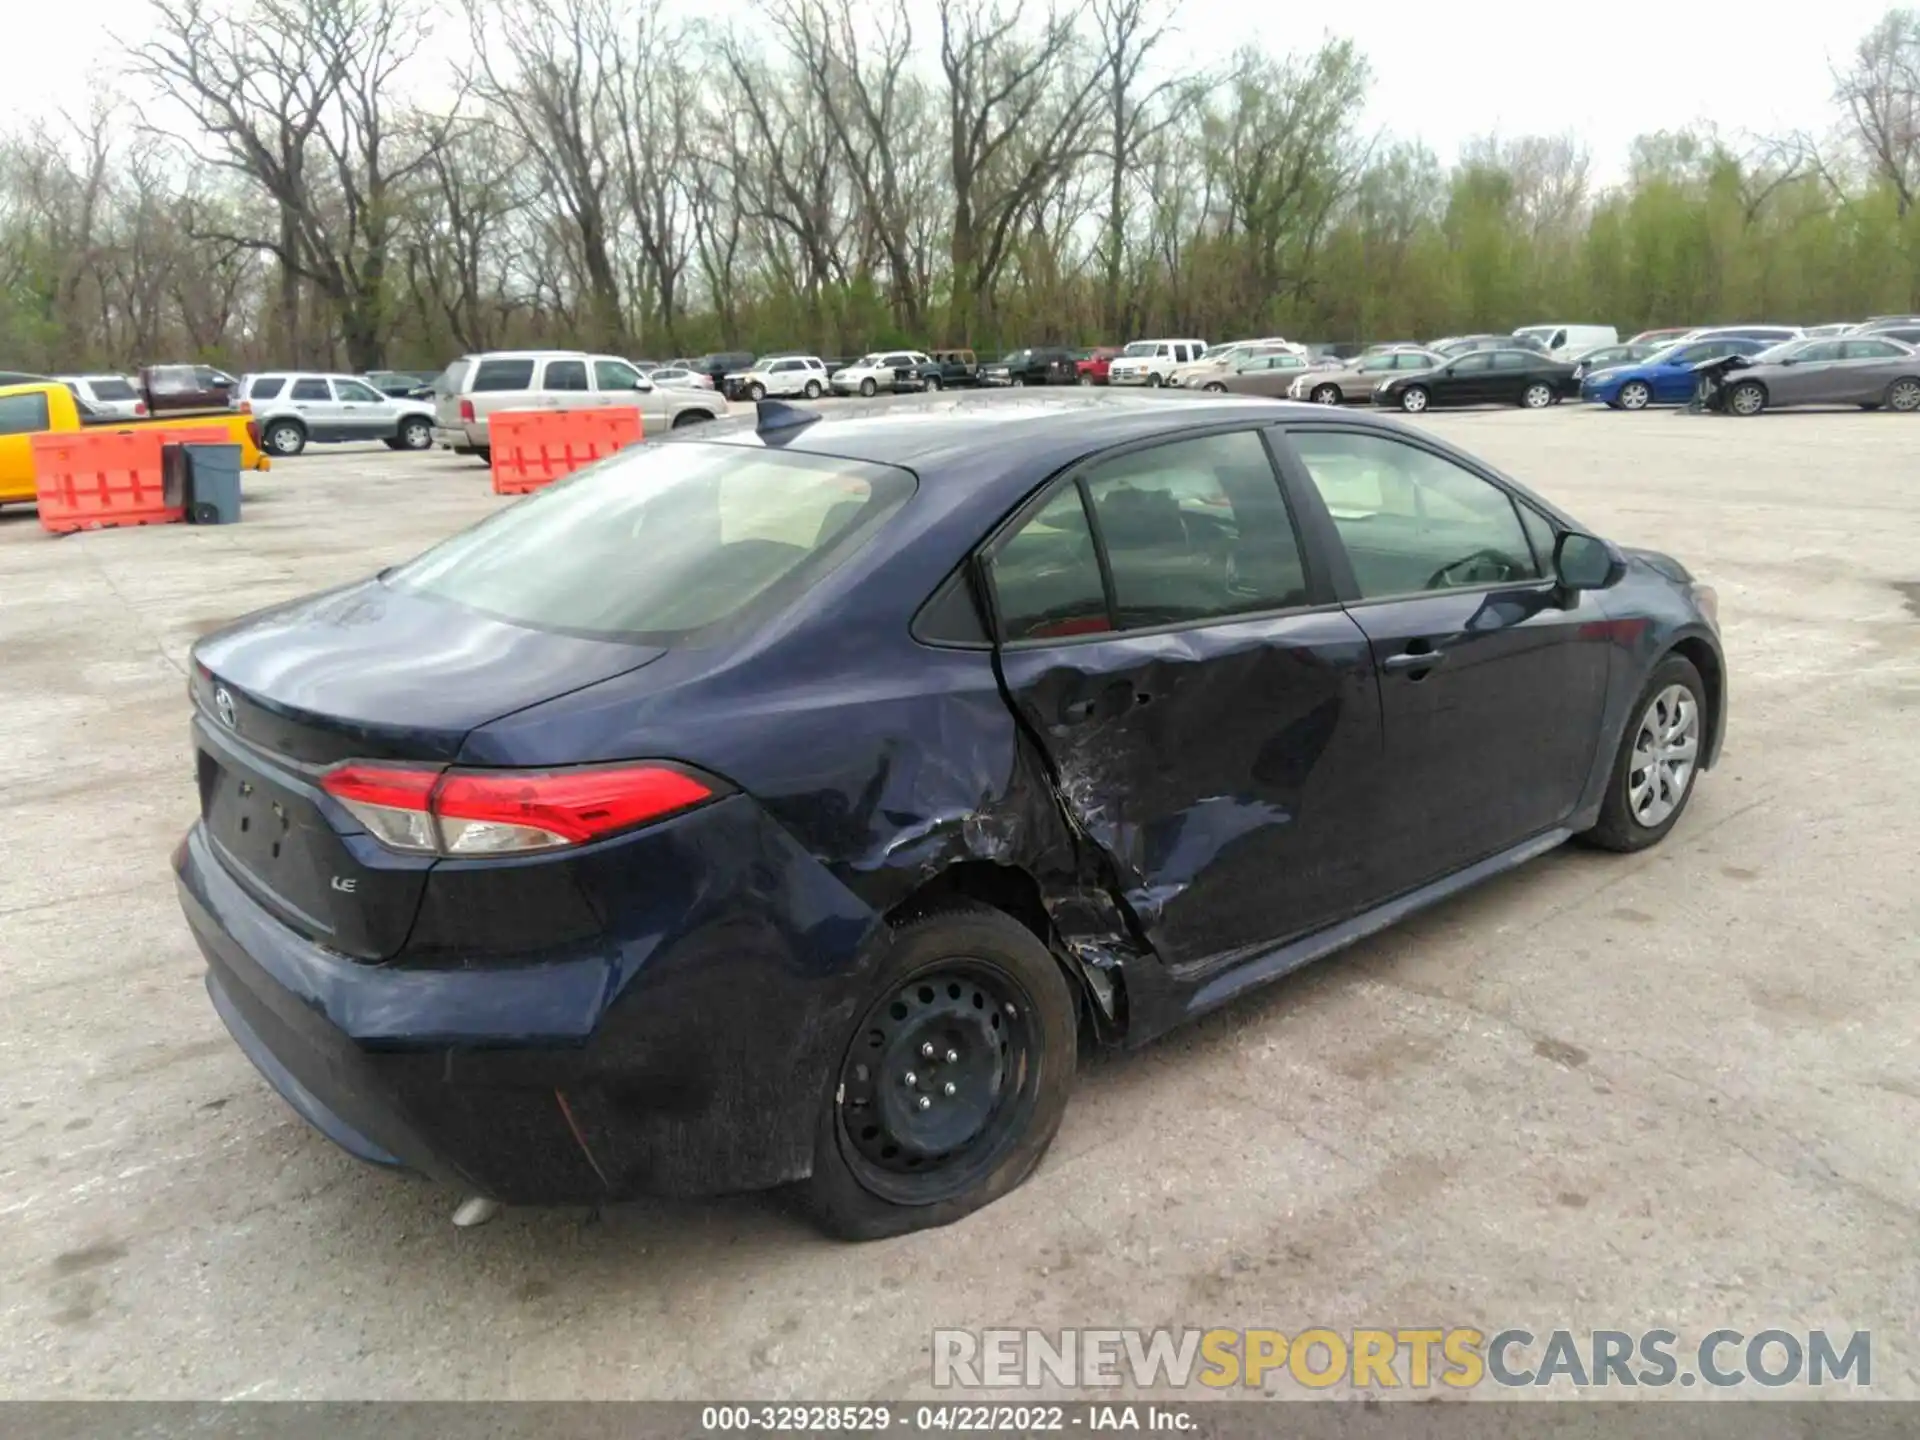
x=662, y=542
x=110, y=388
x=503, y=375
x=566, y=375
x=1196, y=530
x=23, y=414
x=266, y=387
x=311, y=390
x=1508, y=360
x=1046, y=576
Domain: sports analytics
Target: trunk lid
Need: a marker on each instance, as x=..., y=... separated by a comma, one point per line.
x=362, y=673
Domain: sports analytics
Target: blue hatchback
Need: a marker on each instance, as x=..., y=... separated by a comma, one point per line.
x=1664, y=379
x=784, y=804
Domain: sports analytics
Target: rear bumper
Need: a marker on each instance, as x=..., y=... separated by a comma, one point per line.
x=457, y=437
x=689, y=1061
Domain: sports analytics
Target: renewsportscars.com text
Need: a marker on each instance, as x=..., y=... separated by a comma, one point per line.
x=1458, y=1358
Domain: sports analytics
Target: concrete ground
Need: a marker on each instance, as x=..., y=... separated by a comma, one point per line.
x=1678, y=1089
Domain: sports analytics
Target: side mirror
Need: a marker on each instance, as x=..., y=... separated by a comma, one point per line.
x=1586, y=562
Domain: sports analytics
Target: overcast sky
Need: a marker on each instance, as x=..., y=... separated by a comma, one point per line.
x=1442, y=71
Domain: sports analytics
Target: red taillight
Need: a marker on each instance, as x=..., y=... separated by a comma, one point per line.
x=246, y=407
x=504, y=812
x=139, y=407
x=466, y=412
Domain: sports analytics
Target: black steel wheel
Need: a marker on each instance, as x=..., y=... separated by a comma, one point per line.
x=953, y=1080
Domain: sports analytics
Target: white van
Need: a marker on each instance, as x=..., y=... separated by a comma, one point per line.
x=1152, y=362
x=1563, y=342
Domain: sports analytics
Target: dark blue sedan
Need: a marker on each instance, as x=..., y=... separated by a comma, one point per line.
x=1667, y=378
x=786, y=804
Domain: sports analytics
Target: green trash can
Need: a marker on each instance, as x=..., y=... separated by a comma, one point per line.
x=213, y=484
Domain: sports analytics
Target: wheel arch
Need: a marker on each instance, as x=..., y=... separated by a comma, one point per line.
x=1016, y=892
x=1705, y=658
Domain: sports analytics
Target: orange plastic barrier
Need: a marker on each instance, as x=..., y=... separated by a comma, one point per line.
x=532, y=448
x=87, y=479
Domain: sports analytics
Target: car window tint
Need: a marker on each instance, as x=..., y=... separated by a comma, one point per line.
x=1046, y=577
x=353, y=390
x=566, y=375
x=23, y=414
x=1379, y=363
x=1473, y=363
x=1411, y=520
x=502, y=375
x=267, y=387
x=1196, y=530
x=310, y=390
x=1540, y=534
x=662, y=541
x=1869, y=350
x=618, y=375
x=1818, y=350
x=1411, y=362
x=1509, y=360
x=109, y=388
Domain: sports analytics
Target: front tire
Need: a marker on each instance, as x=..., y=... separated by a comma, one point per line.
x=1019, y=380
x=1657, y=762
x=1413, y=399
x=756, y=392
x=813, y=389
x=1904, y=395
x=1154, y=382
x=952, y=1085
x=933, y=383
x=1086, y=380
x=868, y=388
x=1326, y=395
x=1635, y=395
x=284, y=438
x=1747, y=398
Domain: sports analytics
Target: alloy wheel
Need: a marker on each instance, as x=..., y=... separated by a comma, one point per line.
x=939, y=1082
x=1666, y=747
x=1413, y=401
x=1747, y=400
x=1326, y=395
x=1634, y=395
x=1904, y=396
x=1537, y=397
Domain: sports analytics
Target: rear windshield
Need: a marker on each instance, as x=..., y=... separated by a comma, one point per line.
x=450, y=379
x=663, y=541
x=112, y=388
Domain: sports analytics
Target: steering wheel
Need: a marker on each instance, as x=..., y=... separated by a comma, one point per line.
x=1482, y=567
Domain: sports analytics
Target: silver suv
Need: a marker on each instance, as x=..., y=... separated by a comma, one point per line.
x=292, y=409
x=474, y=386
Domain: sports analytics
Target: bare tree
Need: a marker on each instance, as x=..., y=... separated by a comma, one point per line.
x=296, y=97
x=1003, y=82
x=1881, y=93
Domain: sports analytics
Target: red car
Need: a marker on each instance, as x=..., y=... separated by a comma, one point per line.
x=1092, y=364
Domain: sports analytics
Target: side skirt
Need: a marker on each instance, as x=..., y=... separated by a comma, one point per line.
x=1268, y=965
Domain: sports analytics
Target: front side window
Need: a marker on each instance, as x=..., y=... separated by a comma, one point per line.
x=23, y=414
x=662, y=541
x=1413, y=521
x=618, y=375
x=310, y=389
x=566, y=375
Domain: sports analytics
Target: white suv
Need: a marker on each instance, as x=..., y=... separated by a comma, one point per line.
x=474, y=386
x=291, y=409
x=882, y=370
x=1151, y=362
x=804, y=375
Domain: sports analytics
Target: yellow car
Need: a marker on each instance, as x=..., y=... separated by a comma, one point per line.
x=46, y=405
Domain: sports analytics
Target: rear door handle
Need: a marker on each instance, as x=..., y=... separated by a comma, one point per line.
x=1414, y=660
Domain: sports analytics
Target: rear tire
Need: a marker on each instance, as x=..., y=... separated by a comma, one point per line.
x=484, y=453
x=1619, y=828
x=689, y=417
x=878, y=1168
x=1536, y=397
x=415, y=434
x=1904, y=395
x=284, y=438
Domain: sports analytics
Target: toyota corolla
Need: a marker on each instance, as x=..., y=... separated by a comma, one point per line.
x=787, y=805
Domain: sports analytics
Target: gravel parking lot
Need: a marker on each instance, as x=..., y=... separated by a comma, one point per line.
x=1678, y=1089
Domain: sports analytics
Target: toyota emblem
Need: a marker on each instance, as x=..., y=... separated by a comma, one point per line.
x=223, y=706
